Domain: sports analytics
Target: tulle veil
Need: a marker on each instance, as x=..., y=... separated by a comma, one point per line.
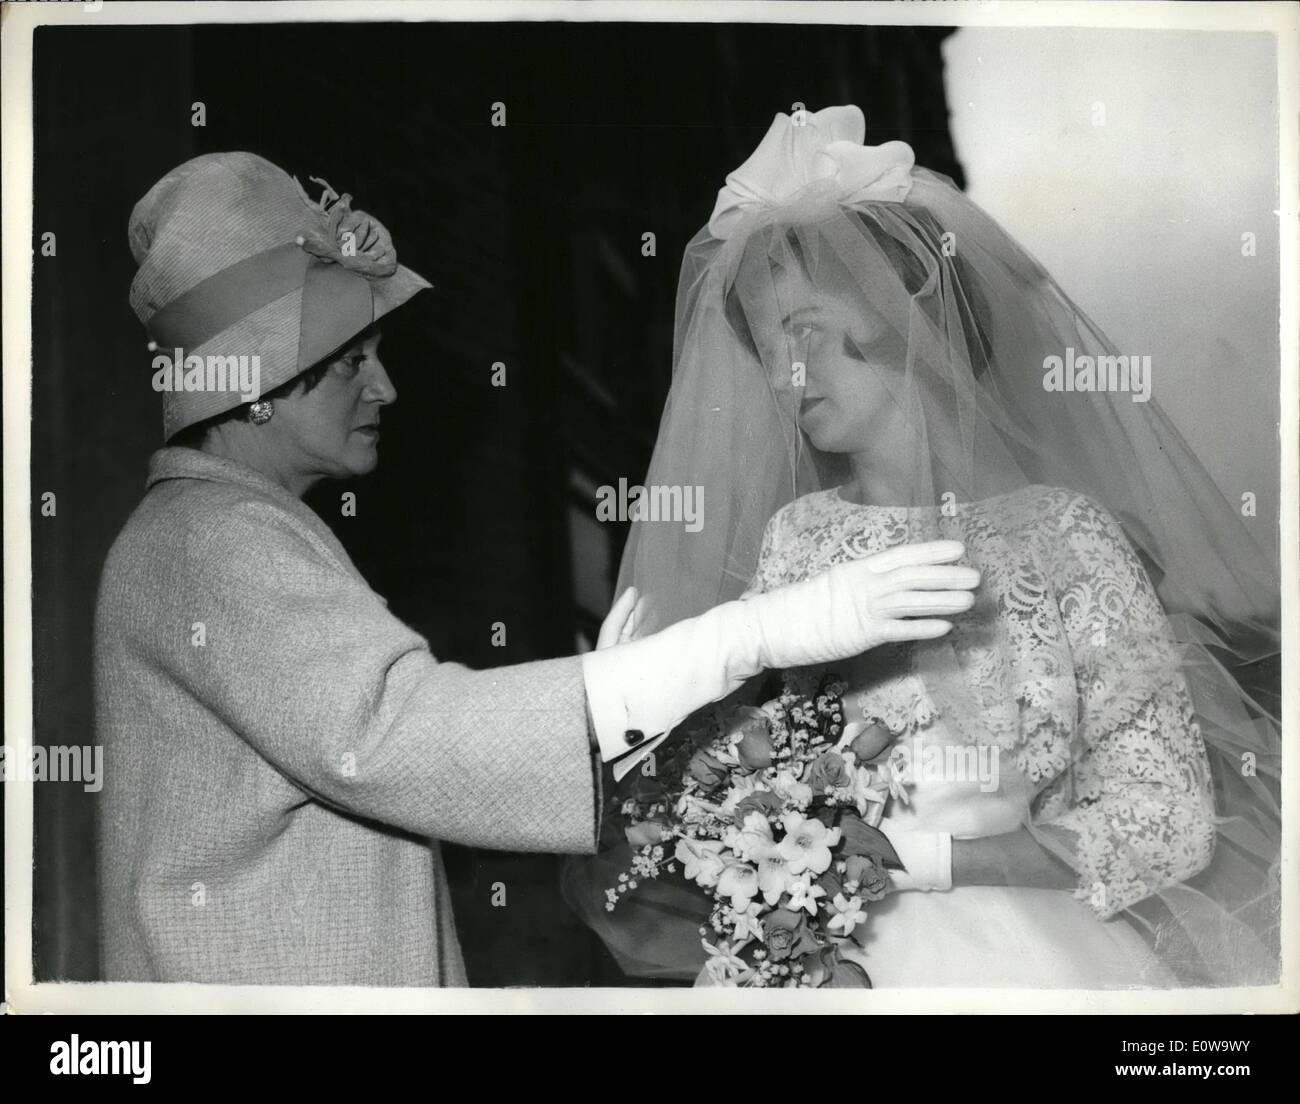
x=972, y=324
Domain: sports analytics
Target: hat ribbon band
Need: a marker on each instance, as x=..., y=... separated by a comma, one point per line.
x=336, y=303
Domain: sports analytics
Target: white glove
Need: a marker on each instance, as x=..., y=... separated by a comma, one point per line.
x=926, y=857
x=640, y=689
x=857, y=606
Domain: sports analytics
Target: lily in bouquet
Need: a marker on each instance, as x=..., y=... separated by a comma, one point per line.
x=772, y=811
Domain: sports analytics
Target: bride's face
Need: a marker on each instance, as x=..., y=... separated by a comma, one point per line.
x=855, y=380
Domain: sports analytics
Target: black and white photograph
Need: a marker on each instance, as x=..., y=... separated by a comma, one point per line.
x=555, y=504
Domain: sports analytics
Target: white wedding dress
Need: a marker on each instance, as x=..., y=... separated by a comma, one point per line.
x=994, y=936
x=1070, y=684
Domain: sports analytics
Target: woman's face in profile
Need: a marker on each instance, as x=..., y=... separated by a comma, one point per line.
x=332, y=430
x=854, y=362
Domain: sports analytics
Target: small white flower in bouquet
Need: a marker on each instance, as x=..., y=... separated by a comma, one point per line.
x=772, y=812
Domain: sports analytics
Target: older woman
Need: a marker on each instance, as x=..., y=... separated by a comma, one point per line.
x=281, y=752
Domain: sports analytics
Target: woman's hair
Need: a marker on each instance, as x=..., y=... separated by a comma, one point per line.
x=192, y=436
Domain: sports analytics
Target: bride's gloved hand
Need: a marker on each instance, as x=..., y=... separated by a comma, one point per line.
x=640, y=689
x=926, y=857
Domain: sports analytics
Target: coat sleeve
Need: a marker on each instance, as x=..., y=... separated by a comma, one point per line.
x=304, y=662
x=1141, y=810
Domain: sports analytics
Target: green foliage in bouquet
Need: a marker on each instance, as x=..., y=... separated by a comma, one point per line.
x=771, y=813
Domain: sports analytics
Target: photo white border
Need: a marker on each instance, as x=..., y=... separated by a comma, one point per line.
x=18, y=21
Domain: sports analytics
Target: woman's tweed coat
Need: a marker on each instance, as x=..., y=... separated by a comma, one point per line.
x=280, y=752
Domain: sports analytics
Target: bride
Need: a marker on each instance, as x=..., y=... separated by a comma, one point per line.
x=861, y=360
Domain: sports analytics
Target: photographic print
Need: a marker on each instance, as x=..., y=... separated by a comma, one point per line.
x=563, y=500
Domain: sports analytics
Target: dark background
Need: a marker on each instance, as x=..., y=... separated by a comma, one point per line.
x=482, y=509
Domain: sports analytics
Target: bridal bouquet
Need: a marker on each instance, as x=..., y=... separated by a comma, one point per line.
x=772, y=812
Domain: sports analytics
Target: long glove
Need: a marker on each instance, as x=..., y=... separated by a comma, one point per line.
x=926, y=857
x=641, y=689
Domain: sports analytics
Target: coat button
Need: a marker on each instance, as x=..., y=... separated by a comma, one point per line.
x=633, y=736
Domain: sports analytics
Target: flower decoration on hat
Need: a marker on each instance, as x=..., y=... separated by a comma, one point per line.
x=357, y=241
x=824, y=146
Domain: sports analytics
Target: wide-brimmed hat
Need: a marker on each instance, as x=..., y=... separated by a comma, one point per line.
x=237, y=261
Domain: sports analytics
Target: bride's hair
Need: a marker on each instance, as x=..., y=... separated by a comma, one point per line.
x=763, y=252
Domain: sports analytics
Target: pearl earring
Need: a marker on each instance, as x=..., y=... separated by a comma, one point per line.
x=260, y=412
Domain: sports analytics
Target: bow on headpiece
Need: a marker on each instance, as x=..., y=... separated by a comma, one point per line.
x=823, y=146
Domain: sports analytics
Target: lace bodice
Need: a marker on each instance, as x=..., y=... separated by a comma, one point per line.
x=1065, y=664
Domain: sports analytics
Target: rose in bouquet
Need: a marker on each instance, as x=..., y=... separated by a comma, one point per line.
x=772, y=812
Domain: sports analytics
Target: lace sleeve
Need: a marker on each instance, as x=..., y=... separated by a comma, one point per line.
x=1137, y=799
x=768, y=573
